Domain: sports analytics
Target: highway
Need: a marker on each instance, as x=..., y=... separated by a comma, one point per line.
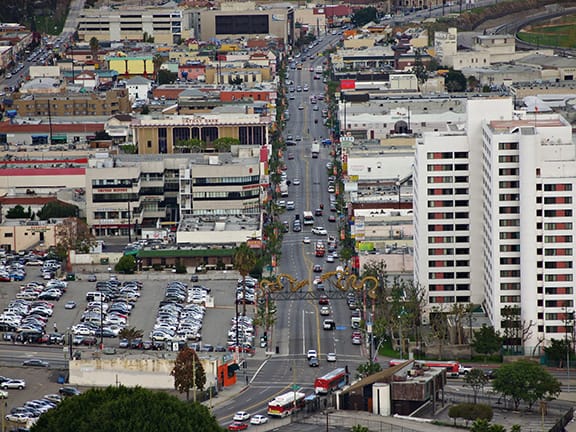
x=299, y=323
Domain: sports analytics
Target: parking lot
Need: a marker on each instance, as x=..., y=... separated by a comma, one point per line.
x=41, y=381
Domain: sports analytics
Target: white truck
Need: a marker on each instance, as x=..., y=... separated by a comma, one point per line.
x=284, y=189
x=315, y=149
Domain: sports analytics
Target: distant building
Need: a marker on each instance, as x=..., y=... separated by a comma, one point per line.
x=73, y=104
x=246, y=19
x=138, y=88
x=21, y=234
x=160, y=135
x=167, y=24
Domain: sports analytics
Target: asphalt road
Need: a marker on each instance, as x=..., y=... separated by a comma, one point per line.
x=299, y=324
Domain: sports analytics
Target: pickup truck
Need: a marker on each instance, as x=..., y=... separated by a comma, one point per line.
x=464, y=370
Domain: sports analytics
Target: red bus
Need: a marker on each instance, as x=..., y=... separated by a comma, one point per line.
x=452, y=367
x=286, y=404
x=331, y=381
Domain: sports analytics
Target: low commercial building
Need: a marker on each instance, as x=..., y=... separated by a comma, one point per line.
x=24, y=234
x=160, y=135
x=72, y=104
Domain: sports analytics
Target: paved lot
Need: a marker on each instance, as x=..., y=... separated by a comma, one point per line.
x=42, y=381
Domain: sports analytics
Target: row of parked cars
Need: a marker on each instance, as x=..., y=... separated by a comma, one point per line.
x=32, y=409
x=181, y=314
x=25, y=317
x=107, y=311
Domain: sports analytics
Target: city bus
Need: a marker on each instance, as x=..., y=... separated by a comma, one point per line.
x=286, y=404
x=308, y=218
x=334, y=380
x=452, y=367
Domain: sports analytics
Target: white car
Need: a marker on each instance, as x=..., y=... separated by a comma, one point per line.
x=324, y=311
x=311, y=354
x=17, y=418
x=296, y=182
x=330, y=258
x=319, y=231
x=259, y=419
x=331, y=357
x=306, y=240
x=241, y=416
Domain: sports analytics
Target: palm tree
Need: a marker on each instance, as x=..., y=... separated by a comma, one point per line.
x=130, y=333
x=244, y=261
x=94, y=48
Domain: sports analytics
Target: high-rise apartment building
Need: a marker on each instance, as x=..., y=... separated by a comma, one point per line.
x=493, y=205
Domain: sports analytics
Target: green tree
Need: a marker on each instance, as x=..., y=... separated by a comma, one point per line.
x=359, y=428
x=193, y=145
x=188, y=372
x=122, y=409
x=244, y=261
x=486, y=340
x=364, y=16
x=419, y=68
x=130, y=333
x=17, y=212
x=367, y=369
x=164, y=76
x=126, y=264
x=72, y=234
x=525, y=381
x=224, y=144
x=455, y=81
x=558, y=351
x=476, y=379
x=102, y=135
x=57, y=210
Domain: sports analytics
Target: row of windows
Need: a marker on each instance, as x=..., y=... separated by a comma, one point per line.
x=448, y=215
x=558, y=200
x=448, y=251
x=510, y=299
x=448, y=167
x=510, y=260
x=449, y=227
x=447, y=179
x=509, y=235
x=558, y=252
x=558, y=239
x=555, y=226
x=449, y=239
x=510, y=286
x=114, y=182
x=565, y=303
x=447, y=155
x=449, y=287
x=559, y=290
x=223, y=181
x=448, y=275
x=508, y=146
x=558, y=277
x=449, y=263
x=508, y=158
x=448, y=203
x=510, y=248
x=115, y=197
x=558, y=187
x=226, y=195
x=560, y=329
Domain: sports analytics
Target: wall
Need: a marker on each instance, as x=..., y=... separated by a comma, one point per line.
x=130, y=371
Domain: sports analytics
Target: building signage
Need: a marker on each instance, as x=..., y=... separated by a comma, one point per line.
x=108, y=190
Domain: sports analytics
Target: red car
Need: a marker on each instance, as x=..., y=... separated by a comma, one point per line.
x=236, y=426
x=323, y=300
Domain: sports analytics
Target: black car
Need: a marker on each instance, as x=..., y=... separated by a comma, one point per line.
x=69, y=391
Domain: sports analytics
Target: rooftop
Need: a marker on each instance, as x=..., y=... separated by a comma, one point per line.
x=220, y=223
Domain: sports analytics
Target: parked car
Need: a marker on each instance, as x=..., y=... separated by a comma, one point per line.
x=69, y=391
x=13, y=384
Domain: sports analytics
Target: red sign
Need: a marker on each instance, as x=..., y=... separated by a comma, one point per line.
x=347, y=84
